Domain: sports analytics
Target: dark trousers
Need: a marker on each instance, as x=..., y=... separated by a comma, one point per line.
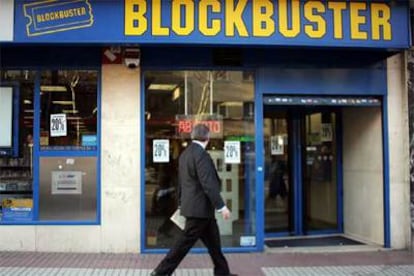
x=205, y=229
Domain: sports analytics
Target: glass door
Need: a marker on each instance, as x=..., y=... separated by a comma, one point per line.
x=319, y=172
x=278, y=216
x=301, y=194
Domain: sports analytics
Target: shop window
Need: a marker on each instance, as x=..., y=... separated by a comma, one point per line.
x=55, y=137
x=69, y=109
x=16, y=146
x=174, y=102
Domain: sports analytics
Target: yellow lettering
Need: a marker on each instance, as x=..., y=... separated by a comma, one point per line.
x=157, y=29
x=263, y=24
x=380, y=18
x=135, y=21
x=234, y=18
x=337, y=8
x=203, y=21
x=357, y=20
x=189, y=17
x=283, y=18
x=320, y=29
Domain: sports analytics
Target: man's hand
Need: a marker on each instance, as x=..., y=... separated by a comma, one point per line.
x=225, y=212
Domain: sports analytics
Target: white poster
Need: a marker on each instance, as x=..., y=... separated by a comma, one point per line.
x=58, y=125
x=6, y=116
x=161, y=150
x=232, y=152
x=66, y=182
x=276, y=145
x=326, y=132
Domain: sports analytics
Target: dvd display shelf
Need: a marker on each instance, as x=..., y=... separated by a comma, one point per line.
x=15, y=179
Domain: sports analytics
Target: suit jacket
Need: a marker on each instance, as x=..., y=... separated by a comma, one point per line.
x=199, y=184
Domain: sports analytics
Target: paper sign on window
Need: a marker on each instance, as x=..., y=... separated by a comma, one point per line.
x=161, y=151
x=58, y=125
x=326, y=132
x=232, y=152
x=66, y=182
x=276, y=145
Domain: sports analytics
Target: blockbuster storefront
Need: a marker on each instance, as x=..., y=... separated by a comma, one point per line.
x=306, y=102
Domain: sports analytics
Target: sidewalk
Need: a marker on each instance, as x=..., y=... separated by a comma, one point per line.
x=246, y=264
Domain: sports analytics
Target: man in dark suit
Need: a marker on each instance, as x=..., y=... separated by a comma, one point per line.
x=198, y=197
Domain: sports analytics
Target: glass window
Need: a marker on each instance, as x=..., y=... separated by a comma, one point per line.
x=69, y=107
x=68, y=125
x=16, y=159
x=174, y=101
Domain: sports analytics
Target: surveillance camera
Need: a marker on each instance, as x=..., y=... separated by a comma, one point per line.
x=132, y=57
x=132, y=63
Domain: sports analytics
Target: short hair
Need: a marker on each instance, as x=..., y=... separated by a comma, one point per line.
x=200, y=132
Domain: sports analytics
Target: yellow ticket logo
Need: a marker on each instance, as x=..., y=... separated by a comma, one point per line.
x=52, y=16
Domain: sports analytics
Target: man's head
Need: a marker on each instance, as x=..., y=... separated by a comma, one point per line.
x=200, y=133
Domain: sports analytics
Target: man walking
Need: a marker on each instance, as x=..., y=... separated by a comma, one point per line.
x=198, y=197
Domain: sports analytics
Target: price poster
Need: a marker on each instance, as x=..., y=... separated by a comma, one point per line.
x=232, y=152
x=161, y=150
x=326, y=133
x=58, y=125
x=276, y=145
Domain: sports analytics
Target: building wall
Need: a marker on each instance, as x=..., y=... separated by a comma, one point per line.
x=398, y=152
x=363, y=174
x=6, y=20
x=120, y=153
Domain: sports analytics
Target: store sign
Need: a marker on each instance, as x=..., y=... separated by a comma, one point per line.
x=376, y=24
x=57, y=16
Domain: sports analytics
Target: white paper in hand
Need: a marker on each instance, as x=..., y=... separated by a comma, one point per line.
x=178, y=219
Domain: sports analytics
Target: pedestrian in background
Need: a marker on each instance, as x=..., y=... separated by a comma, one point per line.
x=198, y=199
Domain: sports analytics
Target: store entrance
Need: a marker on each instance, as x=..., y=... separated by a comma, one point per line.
x=301, y=183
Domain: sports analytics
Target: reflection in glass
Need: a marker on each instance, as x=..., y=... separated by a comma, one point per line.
x=278, y=194
x=320, y=178
x=174, y=101
x=69, y=109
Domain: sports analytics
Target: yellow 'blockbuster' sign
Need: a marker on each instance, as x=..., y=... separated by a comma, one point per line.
x=266, y=21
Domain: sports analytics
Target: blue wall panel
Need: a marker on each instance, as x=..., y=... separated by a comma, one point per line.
x=322, y=81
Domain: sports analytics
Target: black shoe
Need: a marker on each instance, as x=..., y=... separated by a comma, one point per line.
x=155, y=273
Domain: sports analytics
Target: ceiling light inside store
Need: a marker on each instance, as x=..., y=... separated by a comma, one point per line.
x=231, y=104
x=70, y=111
x=69, y=118
x=63, y=102
x=53, y=88
x=176, y=93
x=27, y=101
x=163, y=87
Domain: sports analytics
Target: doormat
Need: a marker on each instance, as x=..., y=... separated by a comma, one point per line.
x=317, y=241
